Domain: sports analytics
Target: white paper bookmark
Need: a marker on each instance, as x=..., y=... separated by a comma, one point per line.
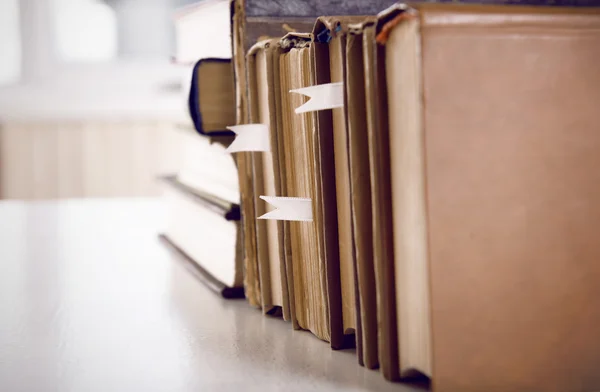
x=322, y=97
x=250, y=137
x=289, y=208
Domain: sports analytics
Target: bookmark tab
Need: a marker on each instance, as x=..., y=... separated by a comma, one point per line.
x=322, y=97
x=250, y=137
x=289, y=208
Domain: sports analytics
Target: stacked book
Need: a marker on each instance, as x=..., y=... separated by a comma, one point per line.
x=448, y=154
x=203, y=226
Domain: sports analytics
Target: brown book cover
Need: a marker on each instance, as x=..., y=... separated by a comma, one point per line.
x=381, y=205
x=360, y=189
x=329, y=37
x=494, y=137
x=325, y=174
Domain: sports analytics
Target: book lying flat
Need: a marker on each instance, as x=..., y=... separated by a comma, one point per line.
x=197, y=270
x=206, y=18
x=211, y=99
x=206, y=167
x=205, y=229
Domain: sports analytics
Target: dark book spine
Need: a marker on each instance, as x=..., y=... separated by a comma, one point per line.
x=204, y=276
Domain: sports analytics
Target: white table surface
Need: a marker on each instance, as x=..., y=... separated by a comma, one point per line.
x=90, y=300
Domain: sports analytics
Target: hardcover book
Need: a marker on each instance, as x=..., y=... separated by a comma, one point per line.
x=204, y=230
x=493, y=137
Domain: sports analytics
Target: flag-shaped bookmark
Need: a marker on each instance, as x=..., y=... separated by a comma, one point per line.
x=322, y=97
x=289, y=208
x=250, y=137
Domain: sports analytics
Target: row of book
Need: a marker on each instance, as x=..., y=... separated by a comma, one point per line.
x=454, y=193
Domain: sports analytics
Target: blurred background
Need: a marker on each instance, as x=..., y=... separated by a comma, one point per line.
x=89, y=97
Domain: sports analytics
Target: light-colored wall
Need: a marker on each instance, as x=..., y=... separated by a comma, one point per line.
x=91, y=131
x=81, y=122
x=85, y=159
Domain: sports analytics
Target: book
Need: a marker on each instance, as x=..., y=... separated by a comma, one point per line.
x=493, y=136
x=360, y=191
x=196, y=269
x=207, y=18
x=375, y=96
x=211, y=99
x=329, y=36
x=304, y=253
x=267, y=177
x=205, y=229
x=206, y=167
